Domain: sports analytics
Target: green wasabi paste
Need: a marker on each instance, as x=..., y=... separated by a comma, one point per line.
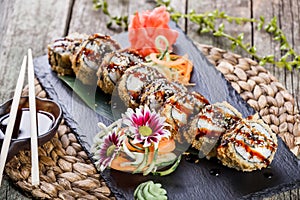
x=150, y=191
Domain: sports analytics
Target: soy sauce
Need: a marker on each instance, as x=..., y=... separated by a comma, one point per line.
x=45, y=121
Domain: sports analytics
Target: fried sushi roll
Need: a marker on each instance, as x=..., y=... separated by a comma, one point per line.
x=113, y=67
x=249, y=146
x=88, y=59
x=61, y=52
x=159, y=91
x=180, y=109
x=133, y=82
x=209, y=125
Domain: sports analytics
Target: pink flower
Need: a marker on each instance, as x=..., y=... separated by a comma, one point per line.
x=146, y=26
x=147, y=127
x=109, y=148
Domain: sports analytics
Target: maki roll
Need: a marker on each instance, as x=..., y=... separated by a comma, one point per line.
x=180, y=109
x=113, y=67
x=159, y=91
x=90, y=55
x=249, y=146
x=209, y=125
x=61, y=52
x=133, y=82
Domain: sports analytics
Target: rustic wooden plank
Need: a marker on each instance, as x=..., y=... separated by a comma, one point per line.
x=32, y=24
x=288, y=15
x=233, y=8
x=23, y=25
x=141, y=6
x=85, y=19
x=181, y=6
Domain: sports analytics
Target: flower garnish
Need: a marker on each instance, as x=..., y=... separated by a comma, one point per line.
x=147, y=127
x=107, y=146
x=146, y=26
x=135, y=147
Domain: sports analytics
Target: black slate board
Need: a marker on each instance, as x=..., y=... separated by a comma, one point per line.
x=190, y=180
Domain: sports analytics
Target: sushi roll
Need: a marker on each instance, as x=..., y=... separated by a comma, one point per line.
x=180, y=109
x=133, y=82
x=249, y=146
x=159, y=91
x=113, y=67
x=90, y=55
x=209, y=125
x=61, y=52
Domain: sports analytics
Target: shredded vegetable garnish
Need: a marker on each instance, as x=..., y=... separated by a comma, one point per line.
x=175, y=67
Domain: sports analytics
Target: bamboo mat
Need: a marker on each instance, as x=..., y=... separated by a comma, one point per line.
x=67, y=173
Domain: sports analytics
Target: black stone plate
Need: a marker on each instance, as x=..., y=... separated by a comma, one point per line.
x=190, y=180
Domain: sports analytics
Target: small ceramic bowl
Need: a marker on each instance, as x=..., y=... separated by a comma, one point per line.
x=45, y=108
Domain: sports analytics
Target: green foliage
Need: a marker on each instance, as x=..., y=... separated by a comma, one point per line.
x=121, y=21
x=213, y=22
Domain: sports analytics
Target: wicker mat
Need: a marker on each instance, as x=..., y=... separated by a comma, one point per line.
x=67, y=173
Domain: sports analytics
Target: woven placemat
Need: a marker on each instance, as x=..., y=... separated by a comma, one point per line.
x=67, y=173
x=262, y=91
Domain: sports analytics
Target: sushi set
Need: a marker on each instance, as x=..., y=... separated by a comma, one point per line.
x=241, y=155
x=243, y=144
x=189, y=180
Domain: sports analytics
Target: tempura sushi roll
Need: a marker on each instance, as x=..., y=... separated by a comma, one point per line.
x=88, y=59
x=113, y=67
x=133, y=82
x=209, y=125
x=249, y=146
x=159, y=91
x=61, y=52
x=180, y=109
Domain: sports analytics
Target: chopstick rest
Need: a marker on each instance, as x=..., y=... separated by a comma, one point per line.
x=12, y=117
x=33, y=123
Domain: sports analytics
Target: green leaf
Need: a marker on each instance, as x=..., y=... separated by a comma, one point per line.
x=217, y=34
x=221, y=27
x=109, y=24
x=284, y=46
x=252, y=49
x=233, y=45
x=91, y=96
x=204, y=30
x=288, y=66
x=105, y=8
x=261, y=23
x=262, y=62
x=240, y=37
x=238, y=21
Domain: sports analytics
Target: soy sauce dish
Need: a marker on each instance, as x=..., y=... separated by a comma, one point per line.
x=49, y=116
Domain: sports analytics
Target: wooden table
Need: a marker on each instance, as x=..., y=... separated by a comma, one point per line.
x=33, y=24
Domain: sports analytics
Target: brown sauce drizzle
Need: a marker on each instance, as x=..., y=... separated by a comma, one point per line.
x=200, y=98
x=253, y=138
x=182, y=109
x=252, y=152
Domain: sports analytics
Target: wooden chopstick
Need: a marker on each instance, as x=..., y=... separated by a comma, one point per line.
x=12, y=117
x=33, y=123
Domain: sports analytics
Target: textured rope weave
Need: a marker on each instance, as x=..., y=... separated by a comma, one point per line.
x=262, y=91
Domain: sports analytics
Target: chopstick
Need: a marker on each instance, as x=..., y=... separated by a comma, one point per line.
x=33, y=123
x=12, y=117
